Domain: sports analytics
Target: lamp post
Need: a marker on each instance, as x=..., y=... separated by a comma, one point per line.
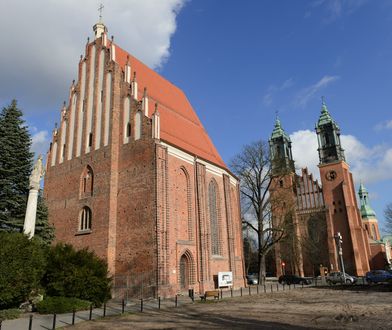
x=339, y=241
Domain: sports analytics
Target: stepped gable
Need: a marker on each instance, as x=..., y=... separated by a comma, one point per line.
x=180, y=125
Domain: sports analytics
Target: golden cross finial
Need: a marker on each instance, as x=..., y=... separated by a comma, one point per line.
x=100, y=9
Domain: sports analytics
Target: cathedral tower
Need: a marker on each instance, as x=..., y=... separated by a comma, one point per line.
x=280, y=150
x=288, y=254
x=339, y=195
x=368, y=215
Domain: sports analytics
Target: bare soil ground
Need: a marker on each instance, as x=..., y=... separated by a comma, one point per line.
x=310, y=308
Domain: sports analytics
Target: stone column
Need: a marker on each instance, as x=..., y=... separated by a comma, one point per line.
x=31, y=210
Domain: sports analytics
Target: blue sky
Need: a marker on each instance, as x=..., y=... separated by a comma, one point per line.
x=238, y=62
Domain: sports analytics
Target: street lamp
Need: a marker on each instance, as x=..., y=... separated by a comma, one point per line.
x=339, y=241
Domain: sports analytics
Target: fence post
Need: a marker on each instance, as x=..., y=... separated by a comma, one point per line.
x=104, y=309
x=73, y=316
x=91, y=312
x=123, y=306
x=241, y=292
x=249, y=291
x=141, y=305
x=271, y=287
x=257, y=290
x=159, y=302
x=30, y=322
x=176, y=300
x=231, y=292
x=221, y=294
x=54, y=321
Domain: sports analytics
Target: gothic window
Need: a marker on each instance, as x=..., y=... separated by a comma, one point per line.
x=374, y=232
x=138, y=125
x=87, y=182
x=183, y=205
x=128, y=129
x=214, y=217
x=85, y=219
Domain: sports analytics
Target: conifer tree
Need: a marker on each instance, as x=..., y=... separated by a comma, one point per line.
x=16, y=161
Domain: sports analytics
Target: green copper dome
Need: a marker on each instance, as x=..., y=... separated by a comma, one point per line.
x=366, y=210
x=325, y=117
x=279, y=131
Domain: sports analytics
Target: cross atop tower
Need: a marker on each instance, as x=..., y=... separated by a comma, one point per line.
x=100, y=9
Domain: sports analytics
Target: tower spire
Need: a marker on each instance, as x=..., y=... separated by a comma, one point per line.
x=100, y=9
x=280, y=149
x=100, y=28
x=328, y=136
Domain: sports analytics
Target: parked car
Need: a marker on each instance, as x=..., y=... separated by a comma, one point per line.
x=378, y=276
x=252, y=279
x=337, y=277
x=293, y=279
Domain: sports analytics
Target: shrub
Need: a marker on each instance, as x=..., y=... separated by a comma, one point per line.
x=22, y=265
x=80, y=274
x=9, y=314
x=58, y=305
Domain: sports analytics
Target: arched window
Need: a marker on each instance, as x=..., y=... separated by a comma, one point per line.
x=138, y=125
x=374, y=232
x=87, y=182
x=128, y=130
x=214, y=217
x=183, y=205
x=85, y=219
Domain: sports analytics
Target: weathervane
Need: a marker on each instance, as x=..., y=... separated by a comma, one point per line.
x=276, y=114
x=100, y=9
x=323, y=100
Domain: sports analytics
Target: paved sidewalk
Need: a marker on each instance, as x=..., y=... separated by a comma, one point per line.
x=40, y=322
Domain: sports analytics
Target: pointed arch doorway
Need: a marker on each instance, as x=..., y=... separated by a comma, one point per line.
x=184, y=273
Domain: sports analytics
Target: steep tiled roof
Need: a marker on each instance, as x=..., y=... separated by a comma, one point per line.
x=180, y=125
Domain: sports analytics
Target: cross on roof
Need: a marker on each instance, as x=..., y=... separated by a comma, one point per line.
x=100, y=9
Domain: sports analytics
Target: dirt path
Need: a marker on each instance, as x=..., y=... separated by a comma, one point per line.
x=300, y=309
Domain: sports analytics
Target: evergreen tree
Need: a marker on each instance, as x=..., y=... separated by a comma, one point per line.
x=16, y=163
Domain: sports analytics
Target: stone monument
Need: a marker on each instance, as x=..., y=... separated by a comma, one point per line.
x=34, y=186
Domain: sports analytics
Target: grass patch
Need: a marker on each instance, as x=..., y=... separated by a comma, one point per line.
x=60, y=305
x=9, y=314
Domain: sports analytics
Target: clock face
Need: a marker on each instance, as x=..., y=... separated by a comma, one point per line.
x=331, y=175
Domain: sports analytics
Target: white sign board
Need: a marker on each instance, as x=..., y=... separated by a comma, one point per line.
x=225, y=279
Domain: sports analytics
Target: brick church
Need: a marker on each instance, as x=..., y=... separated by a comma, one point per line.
x=321, y=210
x=133, y=175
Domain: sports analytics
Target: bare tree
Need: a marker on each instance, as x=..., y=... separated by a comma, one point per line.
x=388, y=218
x=253, y=167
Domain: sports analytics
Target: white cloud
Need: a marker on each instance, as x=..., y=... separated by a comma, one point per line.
x=40, y=142
x=336, y=8
x=384, y=125
x=369, y=164
x=42, y=41
x=304, y=148
x=272, y=90
x=306, y=94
